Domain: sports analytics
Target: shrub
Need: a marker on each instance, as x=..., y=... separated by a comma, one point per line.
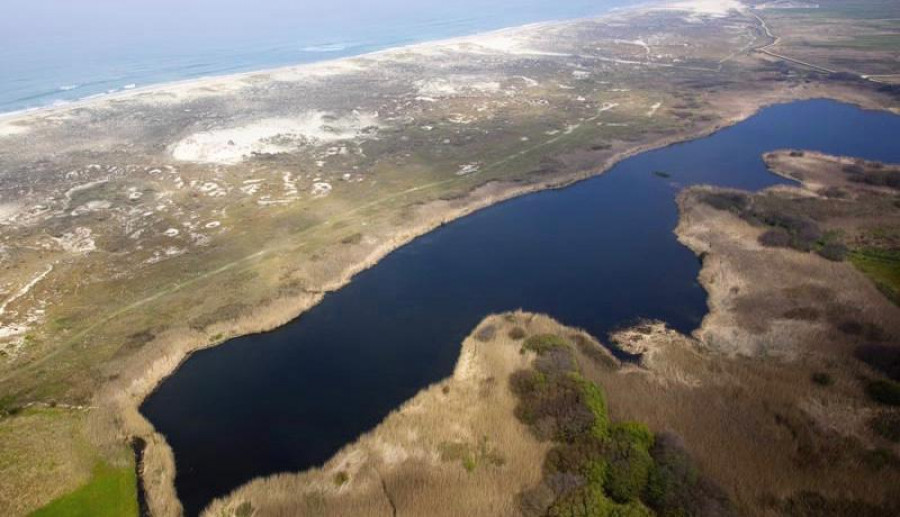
x=851, y=327
x=884, y=392
x=853, y=169
x=244, y=509
x=887, y=425
x=542, y=343
x=834, y=252
x=834, y=193
x=814, y=504
x=802, y=314
x=341, y=478
x=734, y=202
x=593, y=398
x=486, y=333
x=885, y=359
x=594, y=352
x=556, y=361
x=535, y=501
x=775, y=238
x=594, y=468
x=822, y=379
x=675, y=488
x=880, y=458
x=356, y=238
x=633, y=432
x=516, y=333
x=629, y=469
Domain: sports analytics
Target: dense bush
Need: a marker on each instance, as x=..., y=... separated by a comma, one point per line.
x=814, y=504
x=822, y=379
x=629, y=466
x=887, y=425
x=786, y=227
x=486, y=333
x=775, y=238
x=516, y=333
x=594, y=352
x=883, y=358
x=543, y=343
x=884, y=392
x=835, y=252
x=734, y=202
x=594, y=468
x=890, y=179
x=675, y=487
x=834, y=193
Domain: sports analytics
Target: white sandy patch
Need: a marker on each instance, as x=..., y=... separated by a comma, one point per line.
x=433, y=89
x=9, y=211
x=272, y=136
x=83, y=187
x=653, y=109
x=468, y=168
x=80, y=240
x=8, y=128
x=513, y=41
x=24, y=290
x=607, y=106
x=320, y=189
x=712, y=8
x=639, y=42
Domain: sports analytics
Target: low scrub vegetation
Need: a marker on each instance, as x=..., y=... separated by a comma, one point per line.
x=813, y=504
x=887, y=425
x=822, y=379
x=884, y=358
x=597, y=467
x=884, y=392
x=874, y=174
x=787, y=226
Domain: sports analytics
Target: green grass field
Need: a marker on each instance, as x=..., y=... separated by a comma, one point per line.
x=110, y=492
x=883, y=267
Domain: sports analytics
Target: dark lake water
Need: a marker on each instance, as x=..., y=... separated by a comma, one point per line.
x=595, y=255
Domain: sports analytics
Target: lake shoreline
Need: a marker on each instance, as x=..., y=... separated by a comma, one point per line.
x=300, y=306
x=265, y=264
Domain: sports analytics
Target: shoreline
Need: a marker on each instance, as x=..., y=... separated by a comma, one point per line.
x=141, y=387
x=124, y=383
x=206, y=81
x=175, y=86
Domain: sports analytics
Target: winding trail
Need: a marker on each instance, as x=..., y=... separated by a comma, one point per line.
x=767, y=49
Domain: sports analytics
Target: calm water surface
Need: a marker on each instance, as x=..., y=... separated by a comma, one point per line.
x=595, y=255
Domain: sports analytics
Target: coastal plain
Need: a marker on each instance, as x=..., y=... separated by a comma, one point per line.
x=141, y=227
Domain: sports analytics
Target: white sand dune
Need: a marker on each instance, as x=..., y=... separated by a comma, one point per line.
x=230, y=146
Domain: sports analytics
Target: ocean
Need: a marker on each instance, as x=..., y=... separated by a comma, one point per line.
x=58, y=51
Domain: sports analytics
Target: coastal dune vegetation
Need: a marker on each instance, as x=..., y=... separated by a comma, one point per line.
x=139, y=228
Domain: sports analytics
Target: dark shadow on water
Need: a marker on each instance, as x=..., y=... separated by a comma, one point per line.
x=593, y=255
